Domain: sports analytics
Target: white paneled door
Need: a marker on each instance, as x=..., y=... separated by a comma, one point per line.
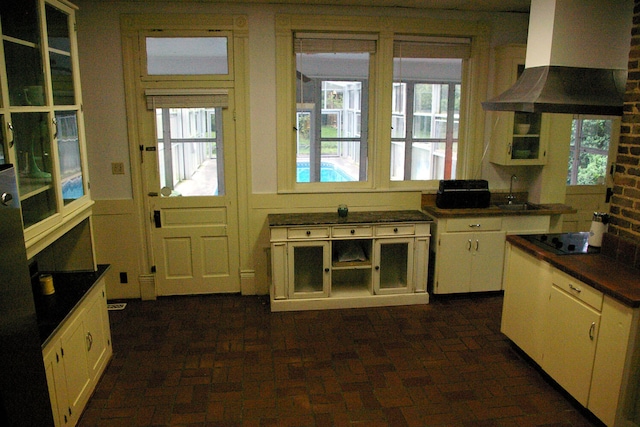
x=191, y=193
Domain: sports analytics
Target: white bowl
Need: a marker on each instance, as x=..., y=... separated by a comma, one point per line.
x=523, y=128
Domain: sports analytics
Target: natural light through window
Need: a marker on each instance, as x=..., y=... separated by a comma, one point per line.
x=331, y=110
x=589, y=151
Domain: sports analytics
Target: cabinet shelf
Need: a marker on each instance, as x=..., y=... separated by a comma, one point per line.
x=347, y=265
x=30, y=187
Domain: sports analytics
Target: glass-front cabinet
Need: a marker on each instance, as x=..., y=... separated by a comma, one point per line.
x=517, y=138
x=40, y=113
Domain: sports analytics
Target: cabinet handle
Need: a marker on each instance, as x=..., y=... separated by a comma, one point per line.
x=469, y=245
x=89, y=341
x=575, y=289
x=475, y=225
x=54, y=124
x=592, y=330
x=11, y=136
x=477, y=245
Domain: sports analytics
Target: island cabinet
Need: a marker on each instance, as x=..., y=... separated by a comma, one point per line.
x=76, y=355
x=585, y=339
x=366, y=259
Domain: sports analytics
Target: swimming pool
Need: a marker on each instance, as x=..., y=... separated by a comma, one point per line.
x=328, y=173
x=72, y=188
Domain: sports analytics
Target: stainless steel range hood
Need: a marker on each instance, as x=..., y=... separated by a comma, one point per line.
x=576, y=62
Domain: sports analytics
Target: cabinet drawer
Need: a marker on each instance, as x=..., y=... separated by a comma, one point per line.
x=578, y=289
x=474, y=224
x=396, y=230
x=355, y=231
x=308, y=233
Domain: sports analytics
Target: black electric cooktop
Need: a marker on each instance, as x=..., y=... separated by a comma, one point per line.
x=563, y=243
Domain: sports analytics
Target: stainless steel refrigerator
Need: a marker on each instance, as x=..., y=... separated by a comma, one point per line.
x=24, y=396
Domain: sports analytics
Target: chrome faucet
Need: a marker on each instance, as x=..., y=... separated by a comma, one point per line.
x=511, y=197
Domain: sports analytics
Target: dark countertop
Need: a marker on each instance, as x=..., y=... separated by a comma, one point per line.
x=332, y=218
x=493, y=210
x=602, y=272
x=70, y=290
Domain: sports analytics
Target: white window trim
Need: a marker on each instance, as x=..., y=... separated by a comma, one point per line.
x=474, y=80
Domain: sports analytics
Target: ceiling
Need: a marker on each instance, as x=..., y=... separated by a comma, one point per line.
x=521, y=6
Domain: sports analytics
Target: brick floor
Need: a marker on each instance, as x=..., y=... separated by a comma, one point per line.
x=226, y=360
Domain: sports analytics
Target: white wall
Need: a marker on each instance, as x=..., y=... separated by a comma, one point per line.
x=106, y=123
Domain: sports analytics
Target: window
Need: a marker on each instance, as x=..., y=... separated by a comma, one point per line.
x=427, y=77
x=366, y=104
x=189, y=140
x=589, y=151
x=332, y=74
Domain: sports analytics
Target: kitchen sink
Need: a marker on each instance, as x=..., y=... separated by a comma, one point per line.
x=519, y=207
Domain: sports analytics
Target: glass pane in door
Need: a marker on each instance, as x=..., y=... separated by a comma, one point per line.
x=308, y=267
x=34, y=166
x=190, y=150
x=69, y=156
x=394, y=264
x=60, y=56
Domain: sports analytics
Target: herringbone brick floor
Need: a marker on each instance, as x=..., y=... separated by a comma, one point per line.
x=226, y=360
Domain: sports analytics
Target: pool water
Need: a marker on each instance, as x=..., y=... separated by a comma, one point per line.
x=72, y=188
x=328, y=173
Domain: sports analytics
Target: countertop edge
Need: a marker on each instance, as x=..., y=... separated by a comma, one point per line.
x=356, y=217
x=596, y=270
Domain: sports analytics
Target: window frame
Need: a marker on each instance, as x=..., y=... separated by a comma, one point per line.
x=474, y=83
x=611, y=155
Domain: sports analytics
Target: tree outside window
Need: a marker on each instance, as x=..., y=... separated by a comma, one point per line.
x=589, y=151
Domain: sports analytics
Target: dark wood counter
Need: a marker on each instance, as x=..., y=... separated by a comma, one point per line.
x=602, y=272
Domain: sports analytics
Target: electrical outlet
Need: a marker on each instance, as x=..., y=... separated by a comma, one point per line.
x=117, y=168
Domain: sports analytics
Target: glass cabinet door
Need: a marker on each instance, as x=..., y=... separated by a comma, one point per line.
x=393, y=266
x=32, y=145
x=71, y=178
x=41, y=110
x=59, y=41
x=22, y=52
x=308, y=269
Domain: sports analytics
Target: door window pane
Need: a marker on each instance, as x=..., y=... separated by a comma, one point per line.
x=189, y=151
x=71, y=177
x=187, y=55
x=331, y=113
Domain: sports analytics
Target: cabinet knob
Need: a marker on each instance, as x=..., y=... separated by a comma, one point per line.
x=326, y=270
x=377, y=267
x=308, y=233
x=353, y=231
x=395, y=230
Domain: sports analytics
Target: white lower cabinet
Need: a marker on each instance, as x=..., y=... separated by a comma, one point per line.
x=571, y=336
x=76, y=356
x=526, y=295
x=469, y=251
x=586, y=341
x=349, y=265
